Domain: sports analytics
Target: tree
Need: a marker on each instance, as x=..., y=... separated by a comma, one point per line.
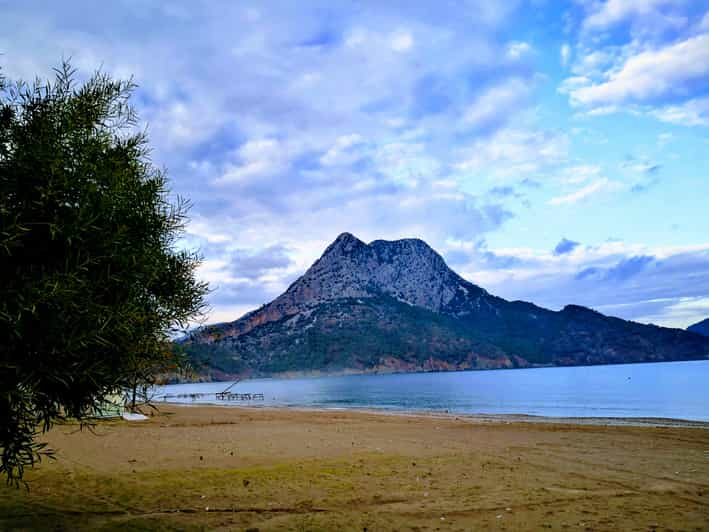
x=93, y=283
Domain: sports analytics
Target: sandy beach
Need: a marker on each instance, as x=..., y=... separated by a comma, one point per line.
x=220, y=468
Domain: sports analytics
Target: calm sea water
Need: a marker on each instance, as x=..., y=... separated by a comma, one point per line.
x=677, y=390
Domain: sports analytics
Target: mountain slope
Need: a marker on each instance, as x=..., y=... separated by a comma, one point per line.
x=397, y=306
x=700, y=328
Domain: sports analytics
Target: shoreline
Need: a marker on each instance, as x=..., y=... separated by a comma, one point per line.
x=602, y=421
x=318, y=374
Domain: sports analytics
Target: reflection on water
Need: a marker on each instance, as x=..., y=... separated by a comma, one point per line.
x=671, y=390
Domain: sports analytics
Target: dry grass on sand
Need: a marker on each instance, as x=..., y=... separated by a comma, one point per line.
x=239, y=469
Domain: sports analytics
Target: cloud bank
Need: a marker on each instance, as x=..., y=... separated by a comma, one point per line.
x=287, y=123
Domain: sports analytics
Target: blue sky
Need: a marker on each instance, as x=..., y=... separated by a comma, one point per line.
x=553, y=152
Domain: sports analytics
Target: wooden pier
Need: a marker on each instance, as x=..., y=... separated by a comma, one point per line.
x=226, y=395
x=231, y=396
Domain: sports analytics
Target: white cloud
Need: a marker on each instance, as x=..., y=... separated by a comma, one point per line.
x=342, y=151
x=406, y=163
x=694, y=112
x=488, y=105
x=629, y=280
x=402, y=42
x=201, y=227
x=640, y=166
x=573, y=83
x=613, y=12
x=356, y=37
x=565, y=54
x=603, y=110
x=514, y=152
x=650, y=74
x=259, y=158
x=215, y=271
x=594, y=63
x=694, y=303
x=591, y=189
x=645, y=57
x=575, y=175
x=518, y=49
x=680, y=312
x=663, y=139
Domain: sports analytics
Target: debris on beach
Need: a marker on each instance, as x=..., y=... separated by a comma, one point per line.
x=134, y=416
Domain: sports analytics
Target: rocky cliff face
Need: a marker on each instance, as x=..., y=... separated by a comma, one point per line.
x=408, y=270
x=396, y=306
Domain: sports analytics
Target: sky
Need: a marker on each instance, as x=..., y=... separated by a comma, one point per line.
x=554, y=152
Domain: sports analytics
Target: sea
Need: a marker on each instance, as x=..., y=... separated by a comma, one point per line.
x=671, y=390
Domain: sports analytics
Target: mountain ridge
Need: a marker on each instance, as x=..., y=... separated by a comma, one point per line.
x=701, y=327
x=397, y=306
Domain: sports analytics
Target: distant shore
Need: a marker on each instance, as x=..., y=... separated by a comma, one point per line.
x=385, y=370
x=211, y=467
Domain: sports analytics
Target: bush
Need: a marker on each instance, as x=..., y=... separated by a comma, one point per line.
x=92, y=283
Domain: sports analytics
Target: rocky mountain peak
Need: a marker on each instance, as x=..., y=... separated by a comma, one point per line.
x=408, y=270
x=344, y=243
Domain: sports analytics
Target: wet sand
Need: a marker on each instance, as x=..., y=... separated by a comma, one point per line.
x=222, y=468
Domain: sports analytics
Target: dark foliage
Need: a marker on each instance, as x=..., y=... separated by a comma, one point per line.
x=92, y=285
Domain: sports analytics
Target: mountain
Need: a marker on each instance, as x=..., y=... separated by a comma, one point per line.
x=701, y=328
x=397, y=306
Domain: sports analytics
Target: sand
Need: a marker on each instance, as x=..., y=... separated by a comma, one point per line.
x=220, y=468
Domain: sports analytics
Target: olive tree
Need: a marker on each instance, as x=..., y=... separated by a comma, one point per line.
x=93, y=282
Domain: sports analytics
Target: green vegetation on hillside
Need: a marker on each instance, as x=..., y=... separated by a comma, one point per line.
x=365, y=334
